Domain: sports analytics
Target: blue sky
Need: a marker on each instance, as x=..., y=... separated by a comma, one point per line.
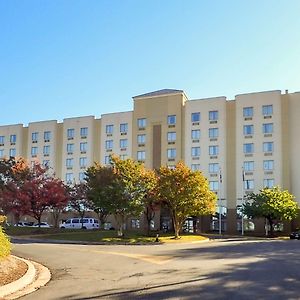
x=64, y=58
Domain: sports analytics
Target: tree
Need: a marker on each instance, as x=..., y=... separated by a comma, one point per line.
x=272, y=204
x=185, y=193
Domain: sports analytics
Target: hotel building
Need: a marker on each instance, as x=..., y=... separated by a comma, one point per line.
x=252, y=137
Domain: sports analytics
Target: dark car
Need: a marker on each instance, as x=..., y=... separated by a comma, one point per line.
x=295, y=235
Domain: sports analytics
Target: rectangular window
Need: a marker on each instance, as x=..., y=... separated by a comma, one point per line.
x=213, y=150
x=248, y=129
x=12, y=152
x=171, y=136
x=171, y=153
x=248, y=166
x=123, y=143
x=196, y=134
x=213, y=132
x=83, y=132
x=70, y=133
x=195, y=167
x=141, y=123
x=214, y=185
x=83, y=162
x=268, y=183
x=249, y=184
x=268, y=165
x=109, y=129
x=213, y=168
x=109, y=144
x=141, y=155
x=70, y=148
x=46, y=150
x=248, y=148
x=47, y=136
x=69, y=178
x=248, y=112
x=13, y=138
x=141, y=138
x=83, y=147
x=267, y=110
x=195, y=151
x=1, y=153
x=69, y=162
x=34, y=137
x=2, y=139
x=123, y=127
x=171, y=119
x=195, y=117
x=81, y=177
x=268, y=128
x=268, y=147
x=107, y=160
x=123, y=156
x=34, y=151
x=213, y=115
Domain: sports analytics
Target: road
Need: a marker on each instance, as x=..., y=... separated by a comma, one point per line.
x=221, y=269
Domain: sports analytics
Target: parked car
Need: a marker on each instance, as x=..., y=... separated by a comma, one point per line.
x=78, y=223
x=42, y=225
x=295, y=235
x=24, y=224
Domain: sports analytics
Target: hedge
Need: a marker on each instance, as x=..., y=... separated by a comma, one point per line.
x=5, y=245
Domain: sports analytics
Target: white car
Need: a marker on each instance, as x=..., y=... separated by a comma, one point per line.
x=42, y=225
x=78, y=223
x=24, y=224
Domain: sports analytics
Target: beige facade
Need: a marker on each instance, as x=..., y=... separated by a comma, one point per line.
x=252, y=137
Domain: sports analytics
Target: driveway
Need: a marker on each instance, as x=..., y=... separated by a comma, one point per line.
x=222, y=269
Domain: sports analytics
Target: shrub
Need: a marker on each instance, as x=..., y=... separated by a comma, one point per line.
x=5, y=245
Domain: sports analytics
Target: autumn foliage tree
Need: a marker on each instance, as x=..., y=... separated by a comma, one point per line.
x=186, y=193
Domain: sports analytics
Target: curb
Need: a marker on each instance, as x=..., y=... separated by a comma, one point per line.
x=36, y=276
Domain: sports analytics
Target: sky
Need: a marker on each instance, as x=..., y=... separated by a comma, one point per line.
x=69, y=58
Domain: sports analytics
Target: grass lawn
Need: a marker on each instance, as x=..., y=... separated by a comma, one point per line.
x=106, y=236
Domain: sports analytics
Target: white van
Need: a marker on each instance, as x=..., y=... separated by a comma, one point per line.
x=78, y=223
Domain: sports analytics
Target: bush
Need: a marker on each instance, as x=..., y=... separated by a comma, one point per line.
x=5, y=245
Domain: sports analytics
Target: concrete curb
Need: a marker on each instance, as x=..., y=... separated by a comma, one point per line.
x=36, y=276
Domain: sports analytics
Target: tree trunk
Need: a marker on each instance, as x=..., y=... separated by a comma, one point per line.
x=271, y=227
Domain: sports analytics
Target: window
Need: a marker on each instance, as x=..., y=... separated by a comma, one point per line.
x=123, y=156
x=267, y=110
x=213, y=168
x=213, y=150
x=81, y=176
x=123, y=127
x=268, y=128
x=268, y=183
x=171, y=153
x=171, y=136
x=69, y=162
x=12, y=152
x=46, y=163
x=109, y=129
x=249, y=184
x=107, y=160
x=195, y=151
x=1, y=153
x=248, y=148
x=34, y=151
x=46, y=150
x=83, y=132
x=141, y=123
x=13, y=138
x=171, y=119
x=109, y=144
x=123, y=143
x=248, y=166
x=196, y=134
x=268, y=147
x=69, y=178
x=248, y=112
x=213, y=132
x=195, y=167
x=214, y=185
x=248, y=129
x=83, y=162
x=47, y=136
x=83, y=147
x=196, y=117
x=135, y=223
x=34, y=137
x=268, y=165
x=141, y=138
x=70, y=133
x=213, y=115
x=70, y=148
x=141, y=155
x=2, y=139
